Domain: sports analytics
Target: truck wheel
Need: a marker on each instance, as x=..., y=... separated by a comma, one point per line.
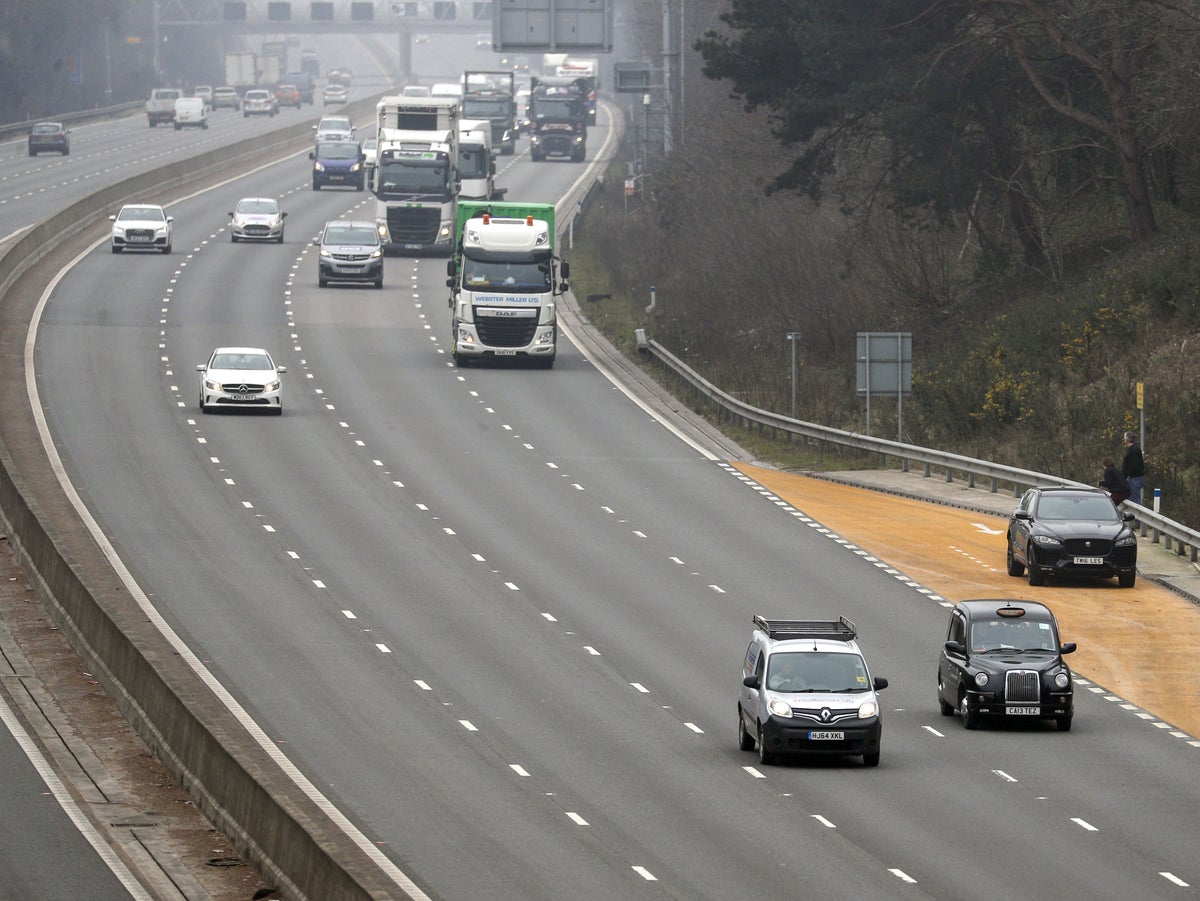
x=316, y=185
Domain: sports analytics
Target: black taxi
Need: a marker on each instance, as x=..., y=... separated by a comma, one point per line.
x=1002, y=659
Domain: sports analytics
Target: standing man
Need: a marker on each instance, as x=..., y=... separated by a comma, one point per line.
x=1133, y=468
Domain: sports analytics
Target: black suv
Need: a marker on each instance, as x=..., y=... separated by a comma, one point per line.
x=1002, y=658
x=1064, y=531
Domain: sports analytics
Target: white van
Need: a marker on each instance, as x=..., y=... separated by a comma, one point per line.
x=192, y=112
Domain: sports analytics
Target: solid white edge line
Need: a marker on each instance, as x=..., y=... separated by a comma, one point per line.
x=601, y=159
x=67, y=803
x=135, y=591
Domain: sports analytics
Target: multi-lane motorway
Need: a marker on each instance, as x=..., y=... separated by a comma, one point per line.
x=496, y=615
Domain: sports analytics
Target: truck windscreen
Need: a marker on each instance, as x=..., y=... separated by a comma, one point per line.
x=413, y=176
x=519, y=277
x=485, y=107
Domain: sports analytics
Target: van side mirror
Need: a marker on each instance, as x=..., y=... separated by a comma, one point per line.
x=880, y=683
x=751, y=681
x=312, y=154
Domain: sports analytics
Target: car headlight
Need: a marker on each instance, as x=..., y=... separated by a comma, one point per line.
x=272, y=386
x=1061, y=680
x=326, y=253
x=981, y=679
x=868, y=709
x=1047, y=541
x=212, y=385
x=780, y=707
x=319, y=166
x=1125, y=540
x=355, y=167
x=376, y=254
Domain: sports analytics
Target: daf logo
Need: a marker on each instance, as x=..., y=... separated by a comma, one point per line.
x=826, y=714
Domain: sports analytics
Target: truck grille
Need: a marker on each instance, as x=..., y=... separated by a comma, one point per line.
x=413, y=225
x=1022, y=685
x=495, y=332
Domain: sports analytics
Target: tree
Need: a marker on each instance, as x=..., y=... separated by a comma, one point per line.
x=966, y=95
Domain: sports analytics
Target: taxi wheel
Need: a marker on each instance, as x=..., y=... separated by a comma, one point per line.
x=970, y=717
x=871, y=759
x=1063, y=723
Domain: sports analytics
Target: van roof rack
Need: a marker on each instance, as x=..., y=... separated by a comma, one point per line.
x=840, y=629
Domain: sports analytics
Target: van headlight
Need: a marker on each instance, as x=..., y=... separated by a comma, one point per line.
x=780, y=707
x=868, y=709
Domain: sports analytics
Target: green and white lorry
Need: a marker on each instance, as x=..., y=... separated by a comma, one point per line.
x=504, y=280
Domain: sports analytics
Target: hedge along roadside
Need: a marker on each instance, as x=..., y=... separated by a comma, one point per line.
x=263, y=811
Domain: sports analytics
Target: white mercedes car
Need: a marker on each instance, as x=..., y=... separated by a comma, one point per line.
x=241, y=377
x=141, y=226
x=257, y=219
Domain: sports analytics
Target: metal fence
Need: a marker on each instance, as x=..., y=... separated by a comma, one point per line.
x=1173, y=535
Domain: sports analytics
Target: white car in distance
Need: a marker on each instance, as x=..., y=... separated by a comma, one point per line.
x=241, y=378
x=256, y=219
x=334, y=128
x=141, y=226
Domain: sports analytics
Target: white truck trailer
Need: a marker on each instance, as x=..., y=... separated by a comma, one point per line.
x=241, y=69
x=416, y=178
x=476, y=164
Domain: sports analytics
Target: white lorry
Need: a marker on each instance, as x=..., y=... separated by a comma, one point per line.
x=416, y=178
x=476, y=165
x=241, y=70
x=503, y=282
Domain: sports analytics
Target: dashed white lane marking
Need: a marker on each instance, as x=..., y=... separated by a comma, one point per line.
x=901, y=875
x=577, y=819
x=754, y=772
x=1005, y=776
x=1084, y=824
x=468, y=725
x=824, y=822
x=1171, y=877
x=933, y=731
x=642, y=688
x=518, y=769
x=645, y=874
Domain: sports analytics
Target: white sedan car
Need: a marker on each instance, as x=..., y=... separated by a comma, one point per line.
x=257, y=219
x=244, y=377
x=141, y=226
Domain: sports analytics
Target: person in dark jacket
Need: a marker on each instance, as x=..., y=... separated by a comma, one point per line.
x=1114, y=482
x=1133, y=468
